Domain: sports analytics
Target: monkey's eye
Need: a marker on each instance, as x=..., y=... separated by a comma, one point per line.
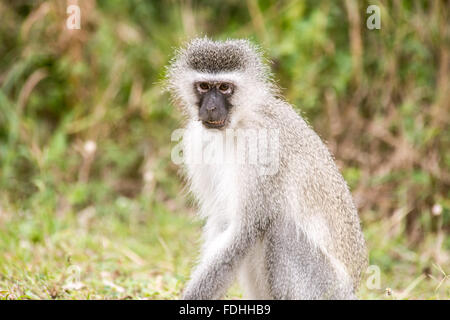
x=203, y=87
x=225, y=88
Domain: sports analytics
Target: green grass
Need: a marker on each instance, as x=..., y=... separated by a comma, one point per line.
x=98, y=253
x=114, y=223
x=88, y=255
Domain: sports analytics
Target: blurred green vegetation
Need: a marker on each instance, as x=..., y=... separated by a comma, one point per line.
x=91, y=205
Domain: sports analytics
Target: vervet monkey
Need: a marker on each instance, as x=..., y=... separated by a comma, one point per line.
x=290, y=234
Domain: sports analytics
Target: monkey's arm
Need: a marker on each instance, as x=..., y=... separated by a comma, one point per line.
x=216, y=270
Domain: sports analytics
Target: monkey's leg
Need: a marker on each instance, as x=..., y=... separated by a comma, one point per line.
x=253, y=274
x=299, y=269
x=219, y=263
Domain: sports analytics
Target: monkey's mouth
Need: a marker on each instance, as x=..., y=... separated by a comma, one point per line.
x=216, y=124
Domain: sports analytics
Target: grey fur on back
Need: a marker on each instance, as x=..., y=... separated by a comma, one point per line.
x=322, y=192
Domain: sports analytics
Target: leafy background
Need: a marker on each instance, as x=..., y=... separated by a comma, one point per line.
x=91, y=205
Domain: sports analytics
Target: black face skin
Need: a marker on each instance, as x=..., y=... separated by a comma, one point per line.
x=214, y=103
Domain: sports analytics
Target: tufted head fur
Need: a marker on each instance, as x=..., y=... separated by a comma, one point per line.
x=208, y=56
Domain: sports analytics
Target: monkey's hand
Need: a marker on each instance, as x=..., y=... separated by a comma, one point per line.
x=216, y=271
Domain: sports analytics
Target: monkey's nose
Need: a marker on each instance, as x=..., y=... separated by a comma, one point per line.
x=211, y=108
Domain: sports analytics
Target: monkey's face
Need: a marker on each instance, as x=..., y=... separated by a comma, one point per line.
x=223, y=84
x=214, y=103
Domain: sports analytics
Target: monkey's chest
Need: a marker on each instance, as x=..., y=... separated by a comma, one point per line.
x=218, y=196
x=216, y=188
x=212, y=172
